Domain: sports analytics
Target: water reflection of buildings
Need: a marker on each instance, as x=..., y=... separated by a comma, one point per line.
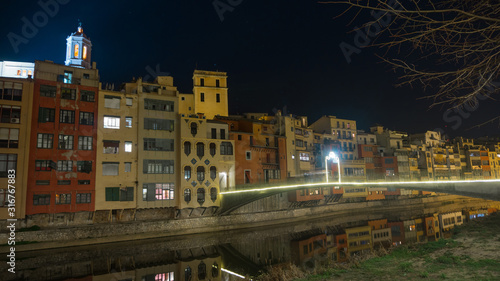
x=230, y=256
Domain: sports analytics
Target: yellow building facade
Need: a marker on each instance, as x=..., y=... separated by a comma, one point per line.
x=210, y=95
x=117, y=150
x=206, y=162
x=16, y=104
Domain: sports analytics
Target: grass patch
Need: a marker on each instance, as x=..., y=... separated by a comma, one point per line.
x=406, y=267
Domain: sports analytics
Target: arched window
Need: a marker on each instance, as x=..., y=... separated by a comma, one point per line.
x=194, y=128
x=200, y=173
x=77, y=50
x=213, y=194
x=84, y=54
x=213, y=172
x=187, y=195
x=202, y=271
x=201, y=195
x=215, y=270
x=187, y=172
x=200, y=149
x=187, y=274
x=213, y=149
x=187, y=148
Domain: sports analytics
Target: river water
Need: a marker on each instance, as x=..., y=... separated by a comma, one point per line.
x=226, y=255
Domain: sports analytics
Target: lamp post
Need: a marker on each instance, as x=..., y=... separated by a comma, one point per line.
x=332, y=156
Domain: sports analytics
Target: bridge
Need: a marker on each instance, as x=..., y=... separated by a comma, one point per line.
x=484, y=189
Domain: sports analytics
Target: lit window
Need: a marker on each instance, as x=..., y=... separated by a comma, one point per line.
x=111, y=122
x=77, y=49
x=304, y=157
x=84, y=52
x=128, y=122
x=129, y=101
x=128, y=146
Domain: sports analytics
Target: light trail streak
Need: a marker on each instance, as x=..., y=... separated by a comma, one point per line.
x=358, y=184
x=234, y=273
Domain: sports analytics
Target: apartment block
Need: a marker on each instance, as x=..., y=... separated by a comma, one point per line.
x=16, y=105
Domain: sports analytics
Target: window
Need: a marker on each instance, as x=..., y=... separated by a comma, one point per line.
x=158, y=124
x=158, y=167
x=160, y=105
x=200, y=149
x=158, y=191
x=84, y=166
x=201, y=196
x=214, y=133
x=129, y=101
x=41, y=199
x=64, y=182
x=194, y=128
x=111, y=122
x=110, y=168
x=7, y=162
x=213, y=172
x=128, y=122
x=213, y=149
x=187, y=195
x=127, y=194
x=48, y=91
x=83, y=182
x=389, y=160
x=11, y=91
x=44, y=115
x=239, y=137
x=9, y=138
x=304, y=157
x=65, y=166
x=202, y=82
x=112, y=102
x=128, y=167
x=63, y=198
x=217, y=97
x=187, y=172
x=187, y=148
x=68, y=94
x=67, y=116
x=84, y=54
x=128, y=146
x=299, y=143
x=222, y=134
x=111, y=147
x=200, y=173
x=40, y=182
x=87, y=118
x=217, y=83
x=40, y=165
x=202, y=271
x=159, y=144
x=87, y=96
x=248, y=155
x=84, y=143
x=65, y=142
x=390, y=172
x=112, y=194
x=83, y=198
x=226, y=148
x=202, y=97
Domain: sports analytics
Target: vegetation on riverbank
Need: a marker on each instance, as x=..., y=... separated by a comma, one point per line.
x=471, y=254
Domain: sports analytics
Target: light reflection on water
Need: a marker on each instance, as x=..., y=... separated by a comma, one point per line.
x=233, y=254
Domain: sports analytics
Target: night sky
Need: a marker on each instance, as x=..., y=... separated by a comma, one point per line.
x=278, y=54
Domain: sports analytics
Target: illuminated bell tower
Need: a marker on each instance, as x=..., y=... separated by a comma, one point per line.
x=78, y=47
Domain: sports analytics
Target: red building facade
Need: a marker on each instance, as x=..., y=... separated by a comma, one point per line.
x=61, y=169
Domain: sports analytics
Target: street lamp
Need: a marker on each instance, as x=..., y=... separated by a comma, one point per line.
x=333, y=157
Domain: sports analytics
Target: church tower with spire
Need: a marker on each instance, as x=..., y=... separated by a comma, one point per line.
x=78, y=49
